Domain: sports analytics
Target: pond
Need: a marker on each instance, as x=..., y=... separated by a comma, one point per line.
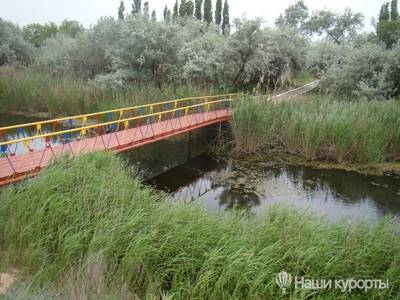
x=253, y=186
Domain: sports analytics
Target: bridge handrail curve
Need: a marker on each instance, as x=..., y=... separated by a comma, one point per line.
x=119, y=121
x=112, y=111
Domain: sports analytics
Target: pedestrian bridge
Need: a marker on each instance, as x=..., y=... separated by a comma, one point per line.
x=25, y=149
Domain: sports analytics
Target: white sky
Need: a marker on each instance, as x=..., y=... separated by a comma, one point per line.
x=87, y=12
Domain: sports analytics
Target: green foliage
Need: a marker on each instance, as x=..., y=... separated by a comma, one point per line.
x=207, y=11
x=389, y=32
x=121, y=10
x=388, y=27
x=320, y=128
x=218, y=12
x=384, y=14
x=153, y=16
x=175, y=11
x=13, y=48
x=365, y=71
x=226, y=25
x=70, y=28
x=91, y=209
x=394, y=10
x=294, y=16
x=197, y=9
x=337, y=27
x=322, y=55
x=189, y=8
x=36, y=33
x=146, y=11
x=182, y=9
x=167, y=14
x=136, y=7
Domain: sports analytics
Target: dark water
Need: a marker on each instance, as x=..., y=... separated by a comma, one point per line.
x=253, y=187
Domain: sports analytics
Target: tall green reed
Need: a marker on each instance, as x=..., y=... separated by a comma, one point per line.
x=93, y=207
x=31, y=91
x=320, y=127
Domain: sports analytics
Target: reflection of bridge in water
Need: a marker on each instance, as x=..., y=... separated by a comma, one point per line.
x=194, y=191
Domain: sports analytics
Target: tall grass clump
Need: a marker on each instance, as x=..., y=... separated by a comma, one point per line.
x=35, y=91
x=89, y=222
x=321, y=128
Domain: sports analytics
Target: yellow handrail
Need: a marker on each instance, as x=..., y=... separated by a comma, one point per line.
x=80, y=129
x=108, y=111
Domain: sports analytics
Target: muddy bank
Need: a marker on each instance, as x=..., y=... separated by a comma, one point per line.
x=377, y=169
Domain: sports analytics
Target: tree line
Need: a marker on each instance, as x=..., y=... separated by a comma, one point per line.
x=186, y=46
x=199, y=10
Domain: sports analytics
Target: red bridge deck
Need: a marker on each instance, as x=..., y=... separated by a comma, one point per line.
x=15, y=168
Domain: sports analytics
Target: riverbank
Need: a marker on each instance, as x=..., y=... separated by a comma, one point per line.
x=277, y=157
x=87, y=226
x=320, y=128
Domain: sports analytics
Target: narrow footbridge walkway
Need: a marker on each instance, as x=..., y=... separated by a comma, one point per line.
x=26, y=149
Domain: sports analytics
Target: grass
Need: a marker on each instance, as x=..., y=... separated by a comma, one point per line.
x=321, y=128
x=31, y=91
x=87, y=227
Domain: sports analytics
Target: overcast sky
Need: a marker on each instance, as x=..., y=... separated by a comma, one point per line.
x=87, y=12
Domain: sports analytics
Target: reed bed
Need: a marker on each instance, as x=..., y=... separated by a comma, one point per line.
x=87, y=227
x=320, y=128
x=35, y=91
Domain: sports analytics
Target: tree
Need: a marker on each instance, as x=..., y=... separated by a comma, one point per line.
x=167, y=14
x=388, y=27
x=146, y=51
x=294, y=16
x=153, y=16
x=146, y=11
x=337, y=27
x=394, y=11
x=36, y=33
x=189, y=8
x=384, y=14
x=136, y=7
x=218, y=12
x=121, y=10
x=389, y=32
x=13, y=48
x=207, y=11
x=225, y=22
x=182, y=8
x=70, y=28
x=175, y=12
x=197, y=9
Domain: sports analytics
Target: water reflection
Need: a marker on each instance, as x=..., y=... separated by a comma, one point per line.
x=334, y=193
